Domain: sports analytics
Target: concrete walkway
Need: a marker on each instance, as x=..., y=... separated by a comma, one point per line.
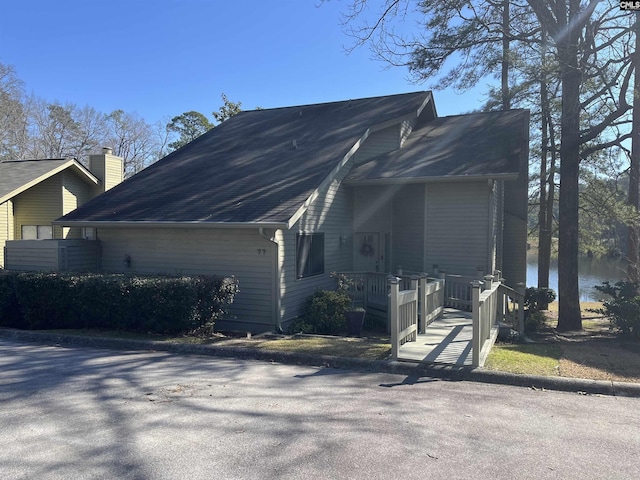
x=447, y=341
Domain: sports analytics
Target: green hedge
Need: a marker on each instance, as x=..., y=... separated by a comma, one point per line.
x=156, y=304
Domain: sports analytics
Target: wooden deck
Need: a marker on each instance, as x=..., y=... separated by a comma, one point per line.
x=447, y=341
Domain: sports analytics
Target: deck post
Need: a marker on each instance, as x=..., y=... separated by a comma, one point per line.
x=415, y=280
x=488, y=280
x=521, y=288
x=501, y=305
x=476, y=342
x=423, y=308
x=394, y=286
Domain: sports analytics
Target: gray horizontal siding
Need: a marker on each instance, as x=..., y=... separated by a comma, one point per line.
x=331, y=214
x=457, y=231
x=239, y=252
x=81, y=256
x=514, y=266
x=44, y=255
x=32, y=255
x=408, y=228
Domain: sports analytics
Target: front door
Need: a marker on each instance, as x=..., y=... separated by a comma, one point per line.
x=367, y=252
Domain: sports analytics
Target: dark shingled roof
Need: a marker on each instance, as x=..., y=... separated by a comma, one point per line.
x=16, y=174
x=247, y=168
x=488, y=144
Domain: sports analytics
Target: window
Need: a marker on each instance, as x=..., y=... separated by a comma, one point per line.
x=309, y=254
x=36, y=232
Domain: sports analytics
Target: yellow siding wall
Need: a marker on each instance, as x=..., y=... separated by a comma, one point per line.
x=75, y=192
x=240, y=252
x=6, y=227
x=113, y=171
x=108, y=168
x=39, y=205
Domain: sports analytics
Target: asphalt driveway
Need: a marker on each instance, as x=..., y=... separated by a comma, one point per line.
x=87, y=413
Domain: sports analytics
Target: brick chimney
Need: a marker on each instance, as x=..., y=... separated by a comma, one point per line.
x=108, y=168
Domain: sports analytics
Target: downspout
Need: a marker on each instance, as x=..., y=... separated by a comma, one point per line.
x=276, y=283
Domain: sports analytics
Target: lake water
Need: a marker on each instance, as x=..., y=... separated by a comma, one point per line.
x=591, y=271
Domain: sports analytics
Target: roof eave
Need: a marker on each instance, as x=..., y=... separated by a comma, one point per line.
x=156, y=224
x=429, y=179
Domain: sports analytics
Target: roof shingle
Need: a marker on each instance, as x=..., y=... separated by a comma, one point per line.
x=484, y=144
x=258, y=166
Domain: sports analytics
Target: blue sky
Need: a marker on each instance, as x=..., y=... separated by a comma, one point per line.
x=164, y=57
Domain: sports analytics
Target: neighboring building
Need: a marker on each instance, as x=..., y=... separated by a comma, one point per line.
x=33, y=193
x=282, y=197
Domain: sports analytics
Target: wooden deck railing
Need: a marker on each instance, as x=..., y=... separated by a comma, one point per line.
x=431, y=300
x=366, y=288
x=511, y=307
x=412, y=309
x=403, y=313
x=492, y=303
x=485, y=314
x=457, y=293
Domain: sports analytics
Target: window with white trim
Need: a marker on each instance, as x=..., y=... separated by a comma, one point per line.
x=309, y=254
x=36, y=232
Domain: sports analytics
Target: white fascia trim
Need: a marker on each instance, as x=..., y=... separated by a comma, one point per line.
x=328, y=179
x=444, y=178
x=144, y=224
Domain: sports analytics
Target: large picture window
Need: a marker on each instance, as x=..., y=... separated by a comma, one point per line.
x=309, y=254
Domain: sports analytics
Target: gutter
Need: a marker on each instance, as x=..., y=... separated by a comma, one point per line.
x=443, y=178
x=276, y=283
x=156, y=224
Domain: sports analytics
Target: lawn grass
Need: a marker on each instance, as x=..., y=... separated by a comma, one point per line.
x=525, y=358
x=370, y=348
x=595, y=352
x=366, y=348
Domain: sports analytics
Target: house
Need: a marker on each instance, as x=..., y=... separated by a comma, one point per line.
x=282, y=197
x=33, y=193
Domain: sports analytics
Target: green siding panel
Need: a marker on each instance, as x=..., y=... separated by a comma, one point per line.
x=331, y=214
x=239, y=252
x=457, y=231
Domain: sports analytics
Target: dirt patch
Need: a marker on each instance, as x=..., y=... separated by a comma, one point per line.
x=596, y=352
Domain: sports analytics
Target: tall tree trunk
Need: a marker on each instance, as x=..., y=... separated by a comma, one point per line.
x=633, y=269
x=506, y=33
x=569, y=317
x=545, y=212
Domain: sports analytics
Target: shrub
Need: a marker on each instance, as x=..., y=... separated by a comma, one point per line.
x=623, y=310
x=536, y=299
x=157, y=304
x=324, y=312
x=47, y=300
x=9, y=309
x=534, y=322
